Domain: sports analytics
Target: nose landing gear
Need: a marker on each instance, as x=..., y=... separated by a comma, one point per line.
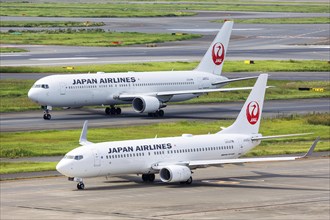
x=80, y=186
x=47, y=109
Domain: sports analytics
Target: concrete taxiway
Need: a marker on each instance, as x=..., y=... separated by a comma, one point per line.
x=73, y=118
x=276, y=190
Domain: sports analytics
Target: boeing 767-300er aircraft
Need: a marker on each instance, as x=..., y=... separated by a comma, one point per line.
x=148, y=92
x=174, y=157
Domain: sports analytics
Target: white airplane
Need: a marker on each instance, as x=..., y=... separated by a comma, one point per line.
x=148, y=92
x=174, y=157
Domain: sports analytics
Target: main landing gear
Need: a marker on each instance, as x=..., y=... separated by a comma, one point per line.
x=112, y=110
x=188, y=182
x=158, y=114
x=148, y=177
x=47, y=109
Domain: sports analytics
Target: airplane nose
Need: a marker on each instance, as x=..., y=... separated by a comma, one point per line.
x=33, y=95
x=64, y=167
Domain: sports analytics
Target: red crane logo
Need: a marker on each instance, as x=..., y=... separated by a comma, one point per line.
x=218, y=53
x=253, y=112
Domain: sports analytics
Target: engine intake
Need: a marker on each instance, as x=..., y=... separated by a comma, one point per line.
x=146, y=104
x=174, y=173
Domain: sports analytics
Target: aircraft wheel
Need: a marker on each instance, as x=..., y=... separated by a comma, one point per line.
x=118, y=111
x=189, y=181
x=81, y=186
x=145, y=177
x=161, y=113
x=107, y=111
x=151, y=177
x=47, y=116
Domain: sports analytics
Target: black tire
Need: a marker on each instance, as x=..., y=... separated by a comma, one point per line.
x=189, y=181
x=151, y=177
x=118, y=111
x=145, y=177
x=45, y=116
x=49, y=117
x=80, y=186
x=107, y=110
x=161, y=113
x=112, y=111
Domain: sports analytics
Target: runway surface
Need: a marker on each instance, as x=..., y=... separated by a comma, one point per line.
x=74, y=118
x=249, y=41
x=275, y=190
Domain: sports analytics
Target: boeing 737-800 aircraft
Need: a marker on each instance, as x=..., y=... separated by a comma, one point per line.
x=148, y=92
x=174, y=157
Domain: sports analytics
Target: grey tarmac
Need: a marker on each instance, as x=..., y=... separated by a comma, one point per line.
x=276, y=190
x=74, y=118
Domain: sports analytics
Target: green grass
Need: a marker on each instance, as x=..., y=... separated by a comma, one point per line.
x=21, y=167
x=156, y=9
x=49, y=24
x=90, y=10
x=59, y=142
x=87, y=37
x=230, y=66
x=11, y=50
x=13, y=92
x=312, y=20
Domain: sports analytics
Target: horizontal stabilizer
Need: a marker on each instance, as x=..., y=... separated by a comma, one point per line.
x=278, y=136
x=233, y=80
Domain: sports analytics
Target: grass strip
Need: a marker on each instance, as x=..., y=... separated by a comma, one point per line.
x=23, y=167
x=12, y=50
x=230, y=66
x=13, y=93
x=90, y=10
x=157, y=9
x=88, y=37
x=47, y=24
x=59, y=142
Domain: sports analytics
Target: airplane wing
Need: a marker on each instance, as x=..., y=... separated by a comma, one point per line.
x=205, y=163
x=233, y=80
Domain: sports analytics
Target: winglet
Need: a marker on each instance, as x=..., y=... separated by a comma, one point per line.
x=83, y=136
x=311, y=149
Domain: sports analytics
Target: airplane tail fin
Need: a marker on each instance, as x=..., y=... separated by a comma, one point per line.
x=248, y=120
x=213, y=60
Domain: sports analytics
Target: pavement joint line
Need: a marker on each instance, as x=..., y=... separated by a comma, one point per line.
x=247, y=207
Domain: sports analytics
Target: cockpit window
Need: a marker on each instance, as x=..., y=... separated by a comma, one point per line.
x=44, y=86
x=78, y=157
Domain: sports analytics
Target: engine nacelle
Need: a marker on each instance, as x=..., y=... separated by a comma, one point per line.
x=146, y=104
x=175, y=173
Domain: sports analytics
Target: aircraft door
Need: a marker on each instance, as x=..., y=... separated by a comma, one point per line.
x=240, y=148
x=97, y=159
x=62, y=88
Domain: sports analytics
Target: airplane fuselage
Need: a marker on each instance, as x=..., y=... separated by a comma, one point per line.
x=139, y=156
x=75, y=90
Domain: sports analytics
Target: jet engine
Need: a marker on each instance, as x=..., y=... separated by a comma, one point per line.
x=146, y=104
x=174, y=173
